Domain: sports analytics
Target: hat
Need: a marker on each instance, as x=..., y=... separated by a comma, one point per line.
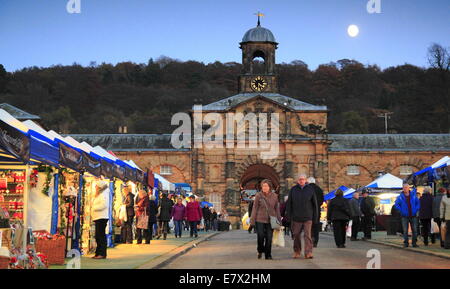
x=102, y=185
x=192, y=197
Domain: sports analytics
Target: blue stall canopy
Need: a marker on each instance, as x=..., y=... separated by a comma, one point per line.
x=14, y=139
x=202, y=204
x=184, y=186
x=431, y=173
x=348, y=193
x=43, y=149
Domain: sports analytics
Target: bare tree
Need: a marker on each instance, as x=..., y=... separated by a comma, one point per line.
x=439, y=57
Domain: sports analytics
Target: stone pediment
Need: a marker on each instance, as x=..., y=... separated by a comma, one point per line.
x=284, y=102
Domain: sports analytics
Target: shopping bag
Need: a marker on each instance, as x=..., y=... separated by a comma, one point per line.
x=443, y=231
x=123, y=213
x=348, y=231
x=434, y=227
x=142, y=222
x=278, y=237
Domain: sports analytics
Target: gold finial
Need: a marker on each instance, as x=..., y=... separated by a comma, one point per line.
x=259, y=14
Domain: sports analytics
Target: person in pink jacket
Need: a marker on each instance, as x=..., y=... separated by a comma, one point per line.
x=193, y=215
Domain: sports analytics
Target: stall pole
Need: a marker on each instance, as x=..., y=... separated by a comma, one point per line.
x=55, y=205
x=109, y=236
x=76, y=240
x=25, y=208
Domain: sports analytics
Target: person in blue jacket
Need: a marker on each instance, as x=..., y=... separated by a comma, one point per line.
x=408, y=205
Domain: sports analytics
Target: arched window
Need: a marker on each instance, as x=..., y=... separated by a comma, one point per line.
x=406, y=170
x=258, y=65
x=216, y=200
x=353, y=170
x=166, y=170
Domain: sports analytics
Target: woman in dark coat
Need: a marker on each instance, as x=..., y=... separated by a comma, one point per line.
x=426, y=213
x=339, y=214
x=165, y=214
x=153, y=211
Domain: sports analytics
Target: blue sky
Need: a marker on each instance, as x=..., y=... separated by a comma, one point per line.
x=43, y=33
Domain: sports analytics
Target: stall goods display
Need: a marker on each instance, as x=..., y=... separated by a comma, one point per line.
x=12, y=188
x=52, y=246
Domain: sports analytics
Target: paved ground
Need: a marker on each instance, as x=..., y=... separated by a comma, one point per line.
x=131, y=256
x=397, y=240
x=237, y=250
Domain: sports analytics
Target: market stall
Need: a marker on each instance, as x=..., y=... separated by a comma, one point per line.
x=438, y=174
x=27, y=162
x=384, y=189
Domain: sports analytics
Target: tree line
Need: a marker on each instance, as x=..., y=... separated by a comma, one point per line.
x=143, y=97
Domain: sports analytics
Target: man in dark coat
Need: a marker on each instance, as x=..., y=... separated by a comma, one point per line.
x=165, y=214
x=436, y=214
x=250, y=208
x=301, y=210
x=368, y=212
x=319, y=196
x=127, y=230
x=356, y=216
x=426, y=213
x=206, y=217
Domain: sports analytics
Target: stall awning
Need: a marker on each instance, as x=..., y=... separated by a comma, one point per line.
x=348, y=193
x=386, y=181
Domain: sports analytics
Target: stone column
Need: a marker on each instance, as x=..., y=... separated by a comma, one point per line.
x=232, y=198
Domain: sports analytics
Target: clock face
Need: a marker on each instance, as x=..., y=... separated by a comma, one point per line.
x=258, y=83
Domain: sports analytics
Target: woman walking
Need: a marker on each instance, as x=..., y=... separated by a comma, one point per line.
x=265, y=205
x=100, y=217
x=178, y=215
x=445, y=217
x=193, y=215
x=142, y=217
x=165, y=212
x=339, y=214
x=153, y=210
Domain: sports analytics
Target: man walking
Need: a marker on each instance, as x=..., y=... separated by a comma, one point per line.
x=301, y=210
x=206, y=217
x=436, y=214
x=408, y=204
x=319, y=197
x=368, y=212
x=356, y=216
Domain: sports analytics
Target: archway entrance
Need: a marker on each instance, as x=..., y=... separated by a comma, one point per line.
x=256, y=173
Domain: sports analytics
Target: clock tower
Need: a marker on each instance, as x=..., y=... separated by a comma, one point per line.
x=258, y=59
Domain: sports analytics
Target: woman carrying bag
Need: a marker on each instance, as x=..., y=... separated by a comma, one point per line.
x=100, y=216
x=142, y=217
x=265, y=217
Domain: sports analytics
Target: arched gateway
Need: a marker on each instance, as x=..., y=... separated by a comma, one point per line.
x=254, y=174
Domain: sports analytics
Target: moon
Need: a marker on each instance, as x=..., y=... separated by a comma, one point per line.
x=353, y=30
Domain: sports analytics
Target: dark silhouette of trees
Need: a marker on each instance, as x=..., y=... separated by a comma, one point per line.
x=100, y=98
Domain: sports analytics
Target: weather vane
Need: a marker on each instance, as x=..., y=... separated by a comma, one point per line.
x=259, y=14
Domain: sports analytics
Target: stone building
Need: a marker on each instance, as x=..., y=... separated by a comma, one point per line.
x=304, y=146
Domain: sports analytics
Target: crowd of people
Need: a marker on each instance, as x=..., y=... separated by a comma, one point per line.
x=143, y=218
x=300, y=212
